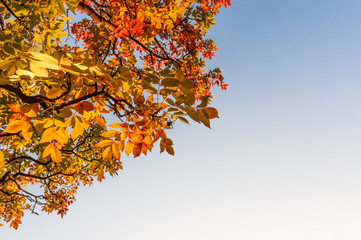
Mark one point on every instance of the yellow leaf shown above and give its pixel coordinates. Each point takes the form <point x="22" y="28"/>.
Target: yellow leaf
<point x="48" y="135"/>
<point x="109" y="134"/>
<point x="27" y="131"/>
<point x="60" y="123"/>
<point x="115" y="151"/>
<point x="78" y="128"/>
<point x="48" y="122"/>
<point x="2" y="159"/>
<point x="15" y="126"/>
<point x="50" y="148"/>
<point x="41" y="60"/>
<point x="39" y="71"/>
<point x="62" y="135"/>
<point x="103" y="143"/>
<point x="28" y="111"/>
<point x="56" y="155"/>
<point x="21" y="72"/>
<point x="123" y="136"/>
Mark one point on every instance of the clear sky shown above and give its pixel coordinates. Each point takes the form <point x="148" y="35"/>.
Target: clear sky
<point x="283" y="161"/>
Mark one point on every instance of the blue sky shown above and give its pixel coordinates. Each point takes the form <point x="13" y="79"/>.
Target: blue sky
<point x="283" y="161"/>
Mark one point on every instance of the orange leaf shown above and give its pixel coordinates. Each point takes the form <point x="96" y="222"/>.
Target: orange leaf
<point x="129" y="147"/>
<point x="87" y="106"/>
<point x="136" y="138"/>
<point x="103" y="143"/>
<point x="100" y="121"/>
<point x="15" y="107"/>
<point x="148" y="140"/>
<point x="115" y="151"/>
<point x="169" y="149"/>
<point x="107" y="153"/>
<point x="15" y="223"/>
<point x="144" y="148"/>
<point x="15" y="126"/>
<point x="137" y="150"/>
<point x="120" y="145"/>
<point x="116" y="125"/>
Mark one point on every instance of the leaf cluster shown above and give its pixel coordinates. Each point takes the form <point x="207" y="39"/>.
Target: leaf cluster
<point x="141" y="62"/>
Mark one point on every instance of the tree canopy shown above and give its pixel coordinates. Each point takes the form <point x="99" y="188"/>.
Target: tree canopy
<point x="65" y="65"/>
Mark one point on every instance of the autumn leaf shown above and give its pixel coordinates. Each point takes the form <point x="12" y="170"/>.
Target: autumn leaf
<point x="115" y="151"/>
<point x="28" y="111"/>
<point x="169" y="149"/>
<point x="56" y="155"/>
<point x="129" y="147"/>
<point x="15" y="126"/>
<point x="109" y="134"/>
<point x="103" y="143"/>
<point x="2" y="159"/>
<point x="116" y="125"/>
<point x="211" y="112"/>
<point x="87" y="106"/>
<point x="27" y="131"/>
<point x="107" y="153"/>
<point x="137" y="150"/>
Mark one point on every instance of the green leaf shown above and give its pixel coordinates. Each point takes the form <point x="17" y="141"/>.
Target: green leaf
<point x="3" y="37"/>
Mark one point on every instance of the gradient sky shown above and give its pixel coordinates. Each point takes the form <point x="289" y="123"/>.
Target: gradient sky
<point x="283" y="161"/>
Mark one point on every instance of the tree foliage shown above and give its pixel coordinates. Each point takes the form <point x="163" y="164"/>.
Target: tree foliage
<point x="142" y="61"/>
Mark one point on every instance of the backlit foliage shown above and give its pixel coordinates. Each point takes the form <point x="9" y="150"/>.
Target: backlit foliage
<point x="67" y="64"/>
